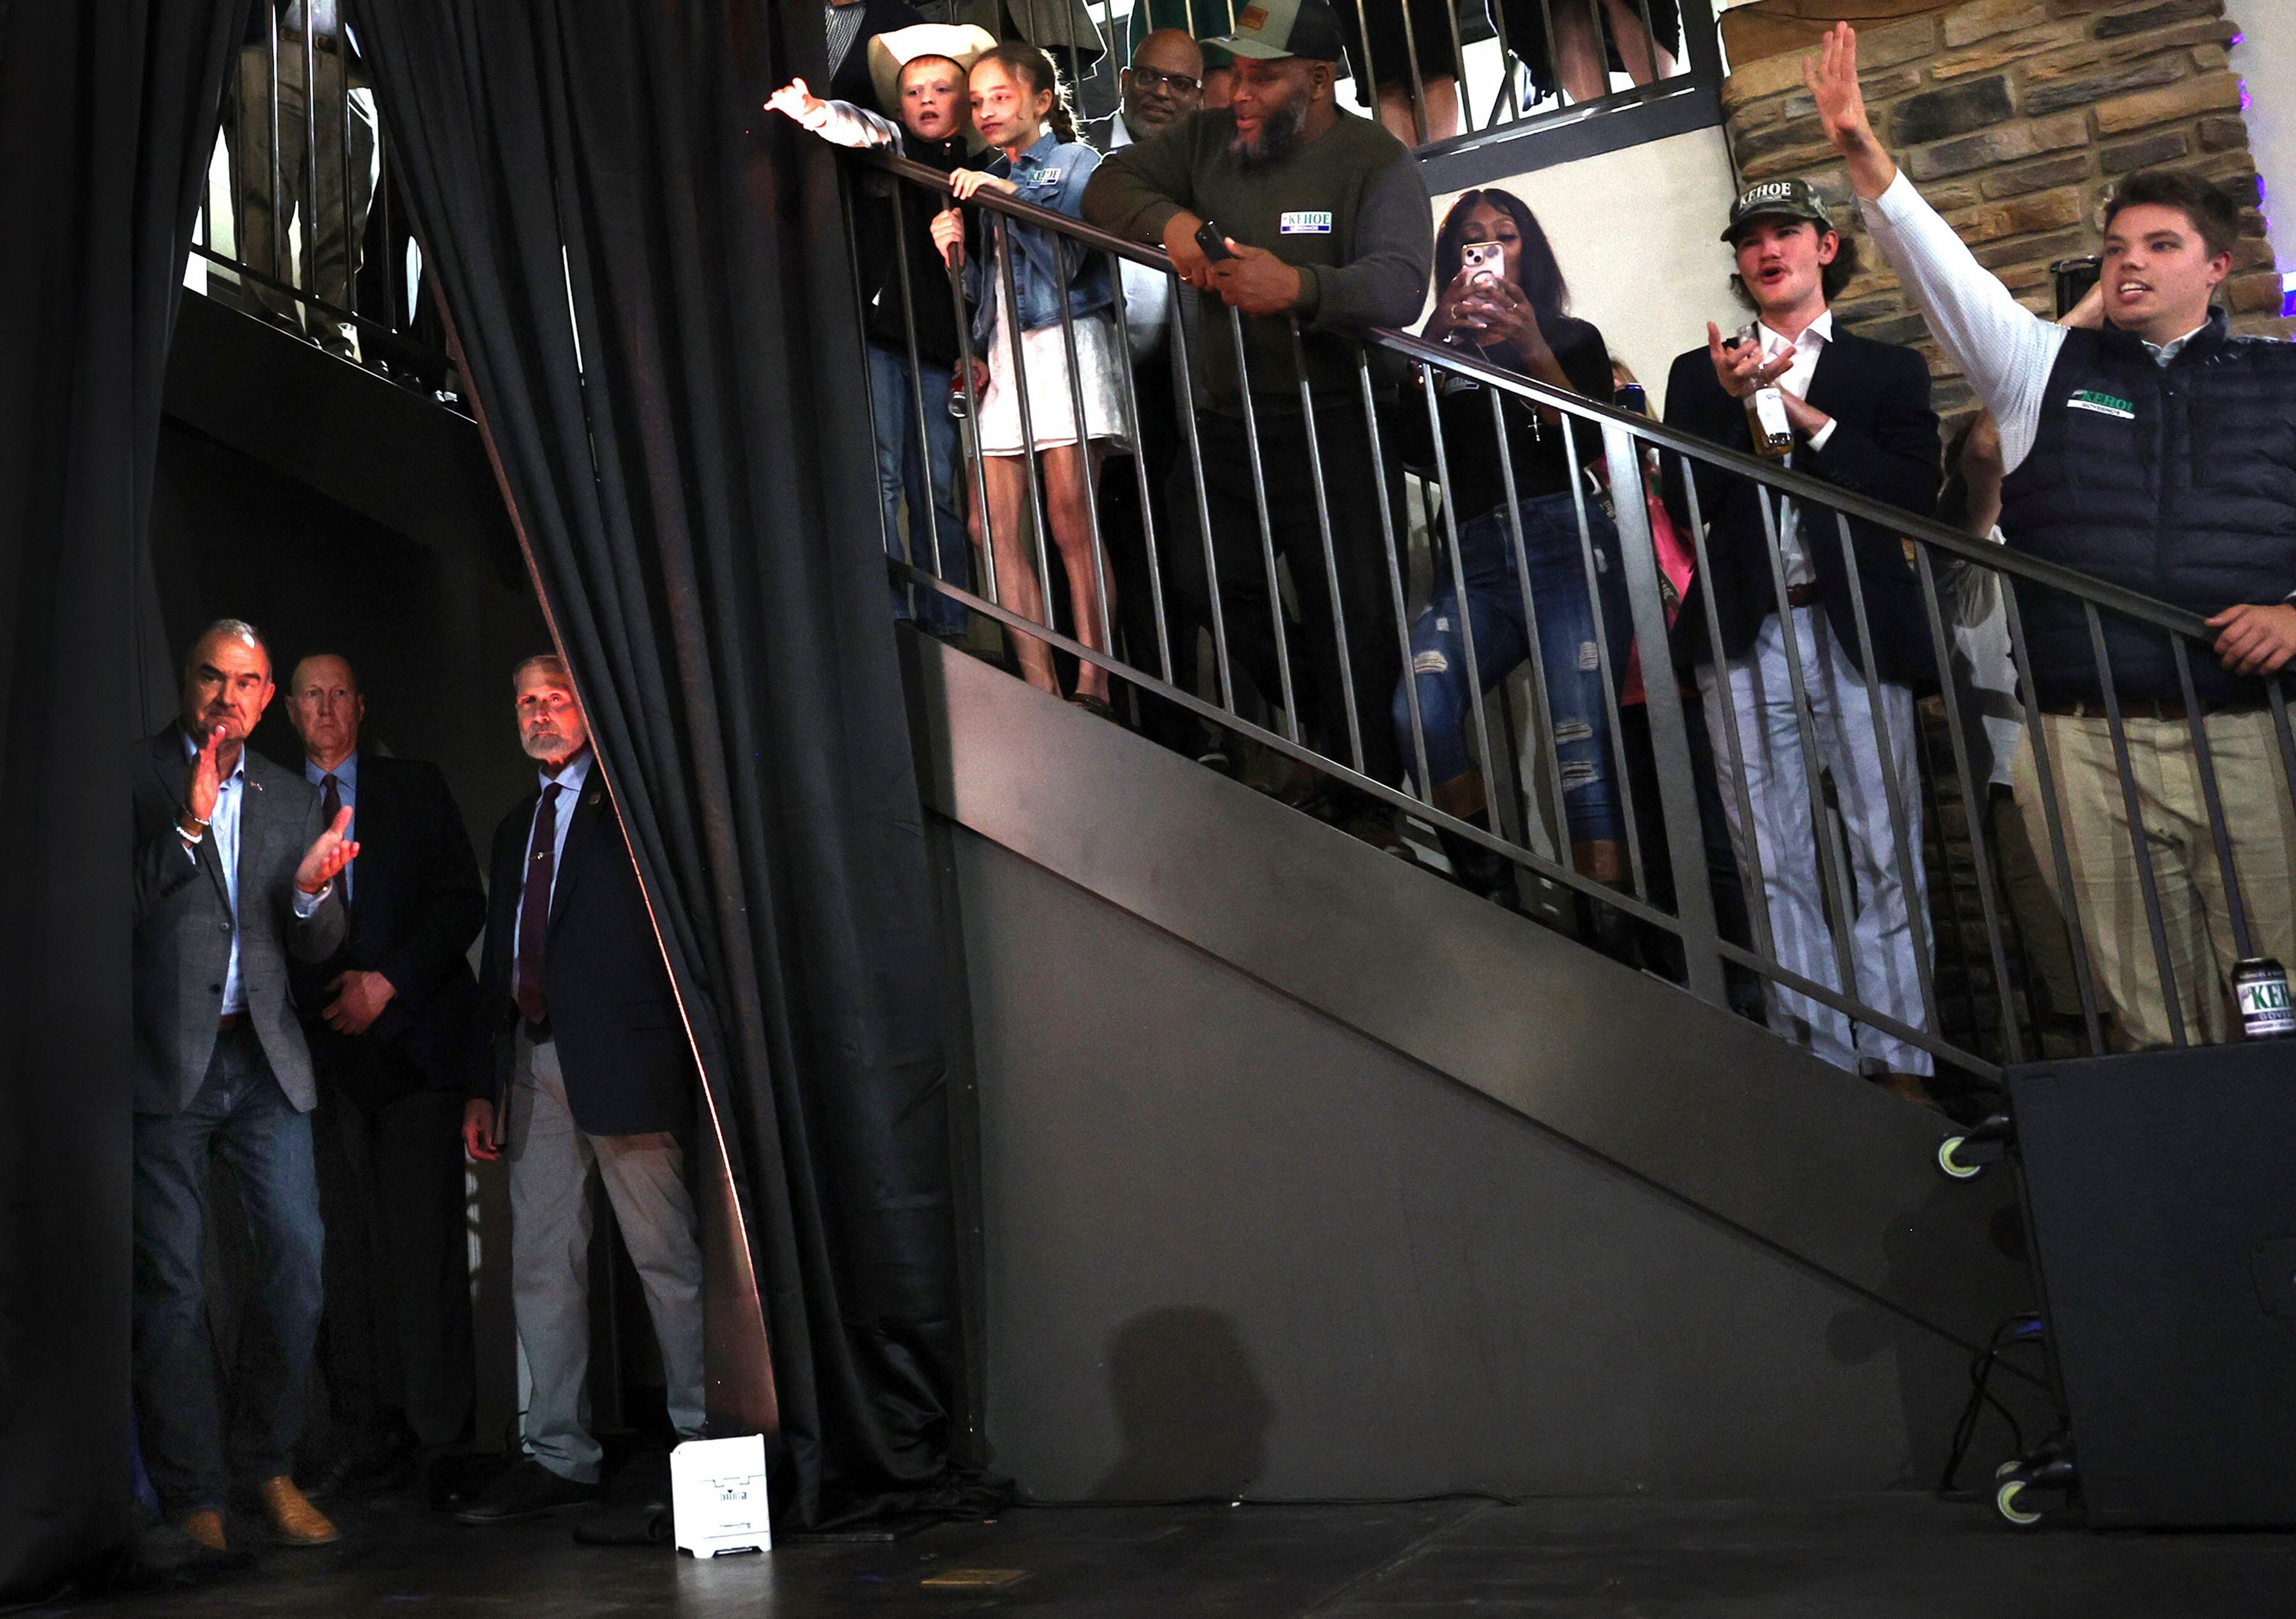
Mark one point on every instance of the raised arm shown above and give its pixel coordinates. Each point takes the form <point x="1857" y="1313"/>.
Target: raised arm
<point x="2004" y="348"/>
<point x="840" y="123"/>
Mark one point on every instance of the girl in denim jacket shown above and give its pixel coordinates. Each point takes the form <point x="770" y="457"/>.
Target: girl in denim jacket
<point x="1018" y="107"/>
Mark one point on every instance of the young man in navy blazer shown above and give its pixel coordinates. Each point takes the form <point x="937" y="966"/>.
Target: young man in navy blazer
<point x="391" y="1020"/>
<point x="1861" y="419"/>
<point x="593" y="1075"/>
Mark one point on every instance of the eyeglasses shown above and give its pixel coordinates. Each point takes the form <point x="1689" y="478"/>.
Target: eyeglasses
<point x="1150" y="78"/>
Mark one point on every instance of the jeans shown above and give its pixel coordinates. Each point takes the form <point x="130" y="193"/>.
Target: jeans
<point x="241" y="1116"/>
<point x="902" y="471"/>
<point x="1576" y="700"/>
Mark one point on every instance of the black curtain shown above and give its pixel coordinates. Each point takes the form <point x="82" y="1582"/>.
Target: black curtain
<point x="107" y="116"/>
<point x="689" y="462"/>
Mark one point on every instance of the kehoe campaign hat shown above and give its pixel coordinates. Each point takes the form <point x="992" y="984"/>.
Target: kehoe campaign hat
<point x="1778" y="200"/>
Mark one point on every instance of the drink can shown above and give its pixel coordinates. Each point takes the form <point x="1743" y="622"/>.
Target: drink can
<point x="2261" y="987"/>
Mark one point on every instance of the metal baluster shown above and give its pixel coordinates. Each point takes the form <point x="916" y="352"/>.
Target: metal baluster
<point x="2037" y="736"/>
<point x="987" y="549"/>
<point x="1540" y="696"/>
<point x="1553" y="48"/>
<point x="1459" y="56"/>
<point x="1140" y="468"/>
<point x="1008" y="318"/>
<point x="1604" y="662"/>
<point x="1973" y="807"/>
<point x="1418" y="84"/>
<point x="1331" y="555"/>
<point x="1083" y="449"/>
<point x="1474" y="670"/>
<point x="1188" y="433"/>
<point x="1394" y="580"/>
<point x="1892" y="789"/>
<point x="898" y="201"/>
<point x="1266" y="528"/>
<point x="279" y="266"/>
<point x="2135" y="811"/>
<point x="1510" y="85"/>
<point x="1929" y="809"/>
<point x="869" y="387"/>
<point x="343" y="152"/>
<point x="1830" y="862"/>
<point x="1369" y="86"/>
<point x="1693" y="896"/>
<point x="1650" y="38"/>
<point x="1758" y="897"/>
<point x="310" y="209"/>
<point x="2211" y="795"/>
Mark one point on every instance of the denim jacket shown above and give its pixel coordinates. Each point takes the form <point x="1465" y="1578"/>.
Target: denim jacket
<point x="1051" y="174"/>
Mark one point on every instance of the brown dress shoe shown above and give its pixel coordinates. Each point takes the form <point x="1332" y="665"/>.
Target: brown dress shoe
<point x="206" y="1527"/>
<point x="294" y="1518"/>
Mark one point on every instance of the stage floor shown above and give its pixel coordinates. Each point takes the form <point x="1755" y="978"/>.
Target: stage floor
<point x="1881" y="1557"/>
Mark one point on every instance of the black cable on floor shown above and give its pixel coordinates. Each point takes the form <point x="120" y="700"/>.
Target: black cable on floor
<point x="2024" y="1327"/>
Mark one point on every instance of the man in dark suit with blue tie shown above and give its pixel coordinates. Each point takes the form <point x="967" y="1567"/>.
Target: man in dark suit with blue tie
<point x="235" y="874"/>
<point x="594" y="1076"/>
<point x="392" y="1023"/>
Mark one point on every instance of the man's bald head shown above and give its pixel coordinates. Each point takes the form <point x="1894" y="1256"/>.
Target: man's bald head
<point x="1164" y="84"/>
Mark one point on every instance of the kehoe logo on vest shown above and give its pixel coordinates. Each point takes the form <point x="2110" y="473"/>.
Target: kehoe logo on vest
<point x="2103" y="403"/>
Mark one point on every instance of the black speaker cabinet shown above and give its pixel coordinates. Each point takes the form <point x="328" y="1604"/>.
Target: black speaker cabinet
<point x="2161" y="1193"/>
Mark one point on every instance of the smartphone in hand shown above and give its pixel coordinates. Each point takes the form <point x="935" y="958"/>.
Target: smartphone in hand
<point x="1211" y="242"/>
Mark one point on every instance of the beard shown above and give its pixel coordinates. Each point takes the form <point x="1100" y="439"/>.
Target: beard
<point x="1279" y="133"/>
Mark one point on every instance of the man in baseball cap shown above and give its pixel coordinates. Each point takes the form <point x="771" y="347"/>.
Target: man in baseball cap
<point x="1778" y="200"/>
<point x="1287" y="208"/>
<point x="1860" y="418"/>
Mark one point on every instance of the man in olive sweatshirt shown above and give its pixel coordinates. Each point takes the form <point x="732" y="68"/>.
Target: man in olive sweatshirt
<point x="1329" y="230"/>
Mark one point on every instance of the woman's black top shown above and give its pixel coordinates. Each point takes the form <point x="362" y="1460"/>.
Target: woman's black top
<point x="1471" y="448"/>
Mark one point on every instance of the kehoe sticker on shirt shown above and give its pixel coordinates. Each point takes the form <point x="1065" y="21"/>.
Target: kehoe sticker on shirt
<point x="2103" y="403"/>
<point x="1318" y="223"/>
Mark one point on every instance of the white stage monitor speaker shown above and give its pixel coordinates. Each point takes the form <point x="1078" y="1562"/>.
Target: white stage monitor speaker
<point x="717" y="1496"/>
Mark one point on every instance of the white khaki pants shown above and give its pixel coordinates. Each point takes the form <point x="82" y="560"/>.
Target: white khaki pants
<point x="551" y="1162"/>
<point x="1882" y="939"/>
<point x="2109" y="896"/>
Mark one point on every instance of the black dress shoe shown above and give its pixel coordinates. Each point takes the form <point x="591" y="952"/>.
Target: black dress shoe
<point x="528" y="1490"/>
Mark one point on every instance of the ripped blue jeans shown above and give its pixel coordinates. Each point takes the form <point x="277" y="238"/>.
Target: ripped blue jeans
<point x="1566" y="646"/>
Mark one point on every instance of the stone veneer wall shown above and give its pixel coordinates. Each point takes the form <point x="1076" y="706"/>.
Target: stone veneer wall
<point x="2016" y="118"/>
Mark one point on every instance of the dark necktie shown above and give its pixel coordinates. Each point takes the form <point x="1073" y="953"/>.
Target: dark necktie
<point x="533" y="909"/>
<point x="331" y="805"/>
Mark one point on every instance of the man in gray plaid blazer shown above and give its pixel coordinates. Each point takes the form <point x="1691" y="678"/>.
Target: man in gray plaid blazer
<point x="235" y="872"/>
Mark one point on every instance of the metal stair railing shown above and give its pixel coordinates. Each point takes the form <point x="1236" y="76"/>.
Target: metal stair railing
<point x="2001" y="1015"/>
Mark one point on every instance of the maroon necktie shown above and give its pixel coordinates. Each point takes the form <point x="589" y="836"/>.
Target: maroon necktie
<point x="533" y="909"/>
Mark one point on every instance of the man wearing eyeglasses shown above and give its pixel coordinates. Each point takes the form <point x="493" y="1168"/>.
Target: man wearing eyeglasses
<point x="1161" y="86"/>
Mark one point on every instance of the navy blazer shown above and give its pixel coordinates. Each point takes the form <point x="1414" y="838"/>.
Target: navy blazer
<point x="621" y="1042"/>
<point x="417" y="905"/>
<point x="1883" y="446"/>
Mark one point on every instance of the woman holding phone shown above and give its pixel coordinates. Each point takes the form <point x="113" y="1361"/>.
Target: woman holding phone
<point x="1504" y="300"/>
<point x="1019" y="108"/>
